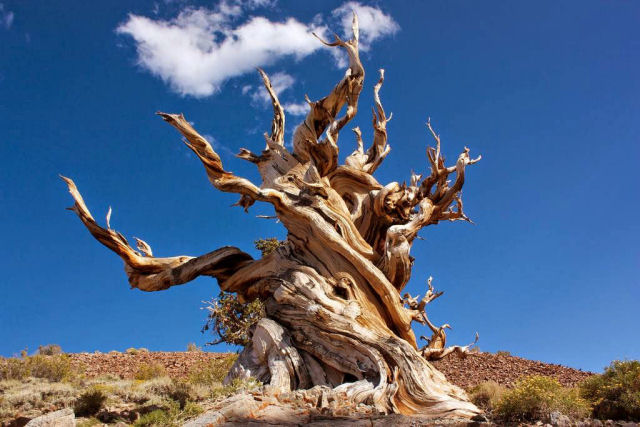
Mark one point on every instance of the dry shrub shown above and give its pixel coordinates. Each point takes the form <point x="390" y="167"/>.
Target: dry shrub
<point x="53" y="368"/>
<point x="170" y="416"/>
<point x="148" y="371"/>
<point x="536" y="397"/>
<point x="33" y="396"/>
<point x="211" y="372"/>
<point x="13" y="368"/>
<point x="486" y="395"/>
<point x="91" y="400"/>
<point x="193" y="347"/>
<point x="50" y="350"/>
<point x="616" y="393"/>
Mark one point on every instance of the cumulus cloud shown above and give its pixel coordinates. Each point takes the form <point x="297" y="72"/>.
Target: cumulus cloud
<point x="6" y="17"/>
<point x="279" y="81"/>
<point x="374" y="23"/>
<point x="296" y="109"/>
<point x="200" y="49"/>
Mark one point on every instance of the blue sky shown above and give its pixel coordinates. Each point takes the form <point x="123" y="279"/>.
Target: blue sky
<point x="547" y="92"/>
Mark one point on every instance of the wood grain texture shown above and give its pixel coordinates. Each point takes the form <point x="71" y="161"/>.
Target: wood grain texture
<point x="332" y="292"/>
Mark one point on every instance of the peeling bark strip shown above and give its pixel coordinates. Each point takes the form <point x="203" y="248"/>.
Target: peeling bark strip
<point x="332" y="291"/>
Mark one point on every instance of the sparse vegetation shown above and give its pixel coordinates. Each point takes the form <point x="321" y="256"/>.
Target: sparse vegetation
<point x="170" y="416"/>
<point x="53" y="368"/>
<point x="133" y="350"/>
<point x="502" y="353"/>
<point x="193" y="347"/>
<point x="616" y="393"/>
<point x="266" y="246"/>
<point x="151" y="399"/>
<point x="91" y="400"/>
<point x="148" y="371"/>
<point x="536" y="397"/>
<point x="211" y="372"/>
<point x="33" y="396"/>
<point x="487" y="395"/>
<point x="231" y="320"/>
<point x="50" y="350"/>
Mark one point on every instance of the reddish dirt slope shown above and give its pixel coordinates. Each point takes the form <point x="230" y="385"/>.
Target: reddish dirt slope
<point x="177" y="364"/>
<point x="466" y="373"/>
<point x="505" y="370"/>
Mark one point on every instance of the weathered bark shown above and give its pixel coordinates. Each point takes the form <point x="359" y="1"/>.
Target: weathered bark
<point x="332" y="291"/>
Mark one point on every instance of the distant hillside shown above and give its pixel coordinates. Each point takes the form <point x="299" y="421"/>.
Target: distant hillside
<point x="466" y="373"/>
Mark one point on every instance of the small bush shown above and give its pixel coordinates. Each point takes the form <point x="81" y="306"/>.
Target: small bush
<point x="536" y="397"/>
<point x="148" y="371"/>
<point x="177" y="391"/>
<point x="231" y="320"/>
<point x="133" y="350"/>
<point x="49" y="349"/>
<point x="52" y="368"/>
<point x="503" y="353"/>
<point x="212" y="371"/>
<point x="193" y="347"/>
<point x="159" y="417"/>
<point x="486" y="395"/>
<point x="616" y="393"/>
<point x="170" y="416"/>
<point x="13" y="369"/>
<point x="267" y="246"/>
<point x="90" y="401"/>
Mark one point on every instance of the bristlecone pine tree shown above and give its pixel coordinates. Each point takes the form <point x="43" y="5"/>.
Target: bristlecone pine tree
<point x="332" y="291"/>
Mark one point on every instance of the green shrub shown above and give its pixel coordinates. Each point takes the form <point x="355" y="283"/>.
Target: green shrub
<point x="90" y="401"/>
<point x="231" y="320"/>
<point x="503" y="353"/>
<point x="169" y="417"/>
<point x="159" y="417"/>
<point x="267" y="246"/>
<point x="211" y="371"/>
<point x="49" y="349"/>
<point x="486" y="395"/>
<point x="616" y="393"/>
<point x="148" y="371"/>
<point x="536" y="397"/>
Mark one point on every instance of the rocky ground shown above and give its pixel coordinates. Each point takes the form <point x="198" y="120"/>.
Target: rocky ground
<point x="319" y="406"/>
<point x="466" y="373"/>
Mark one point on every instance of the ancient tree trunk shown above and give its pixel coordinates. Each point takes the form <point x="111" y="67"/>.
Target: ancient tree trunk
<point x="335" y="316"/>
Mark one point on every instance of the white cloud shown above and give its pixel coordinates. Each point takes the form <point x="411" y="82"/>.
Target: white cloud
<point x="374" y="23"/>
<point x="296" y="109"/>
<point x="6" y="17"/>
<point x="279" y="81"/>
<point x="200" y="49"/>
